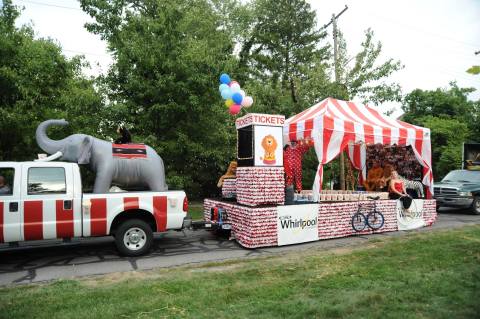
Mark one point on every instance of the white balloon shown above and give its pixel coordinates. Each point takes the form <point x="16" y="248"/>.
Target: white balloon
<point x="247" y="101"/>
<point x="235" y="87"/>
<point x="242" y="92"/>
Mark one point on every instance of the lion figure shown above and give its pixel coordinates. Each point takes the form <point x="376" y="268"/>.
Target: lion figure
<point x="270" y="145"/>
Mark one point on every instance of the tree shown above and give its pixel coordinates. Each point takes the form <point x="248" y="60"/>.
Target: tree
<point x="281" y="45"/>
<point x="452" y="102"/>
<point x="168" y="56"/>
<point x="452" y="119"/>
<point x="447" y="137"/>
<point x="367" y="78"/>
<point x="36" y="83"/>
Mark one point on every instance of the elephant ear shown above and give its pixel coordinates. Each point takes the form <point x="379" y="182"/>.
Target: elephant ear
<point x="85" y="151"/>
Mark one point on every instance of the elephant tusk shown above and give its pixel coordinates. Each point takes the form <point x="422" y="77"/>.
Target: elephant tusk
<point x="50" y="158"/>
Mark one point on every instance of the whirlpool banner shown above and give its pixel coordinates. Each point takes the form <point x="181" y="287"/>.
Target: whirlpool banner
<point x="297" y="224"/>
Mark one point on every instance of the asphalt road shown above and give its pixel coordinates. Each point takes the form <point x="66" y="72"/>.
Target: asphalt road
<point x="49" y="260"/>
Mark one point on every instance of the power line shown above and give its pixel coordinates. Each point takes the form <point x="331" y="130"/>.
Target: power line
<point x="87" y="53"/>
<point x="390" y="20"/>
<point x="50" y="5"/>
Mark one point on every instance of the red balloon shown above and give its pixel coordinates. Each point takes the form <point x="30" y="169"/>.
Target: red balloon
<point x="235" y="109"/>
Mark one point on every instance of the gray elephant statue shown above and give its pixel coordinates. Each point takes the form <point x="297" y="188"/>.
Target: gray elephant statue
<point x="140" y="167"/>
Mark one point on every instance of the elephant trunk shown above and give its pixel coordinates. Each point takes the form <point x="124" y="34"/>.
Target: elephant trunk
<point x="48" y="145"/>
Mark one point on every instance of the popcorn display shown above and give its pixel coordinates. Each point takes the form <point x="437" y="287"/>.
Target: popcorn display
<point x="429" y="211"/>
<point x="338" y="195"/>
<point x="229" y="188"/>
<point x="335" y="219"/>
<point x="252" y="227"/>
<point x="260" y="185"/>
<point x="255" y="227"/>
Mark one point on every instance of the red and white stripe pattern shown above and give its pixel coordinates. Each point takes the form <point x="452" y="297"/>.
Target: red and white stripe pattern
<point x="41" y="219"/>
<point x="334" y="124"/>
<point x="47" y="219"/>
<point x="103" y="211"/>
<point x="260" y="185"/>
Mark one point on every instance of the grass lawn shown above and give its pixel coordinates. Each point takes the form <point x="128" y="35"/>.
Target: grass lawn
<point x="195" y="210"/>
<point x="422" y="275"/>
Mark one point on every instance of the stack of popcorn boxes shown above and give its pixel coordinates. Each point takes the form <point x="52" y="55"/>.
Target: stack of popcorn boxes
<point x="229" y="188"/>
<point x="260" y="186"/>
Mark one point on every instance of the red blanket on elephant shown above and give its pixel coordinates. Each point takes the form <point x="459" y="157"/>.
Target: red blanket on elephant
<point x="129" y="150"/>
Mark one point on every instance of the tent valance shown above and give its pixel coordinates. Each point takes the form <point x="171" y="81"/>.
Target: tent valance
<point x="335" y="125"/>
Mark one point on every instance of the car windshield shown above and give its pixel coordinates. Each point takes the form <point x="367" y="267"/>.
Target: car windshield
<point x="462" y="176"/>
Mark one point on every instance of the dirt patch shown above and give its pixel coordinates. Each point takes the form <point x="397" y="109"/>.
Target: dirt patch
<point x="216" y="268"/>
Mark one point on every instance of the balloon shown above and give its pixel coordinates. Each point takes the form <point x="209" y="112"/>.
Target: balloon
<point x="237" y="98"/>
<point x="224" y="78"/>
<point x="242" y="92"/>
<point x="247" y="101"/>
<point x="235" y="87"/>
<point x="227" y="94"/>
<point x="235" y="109"/>
<point x="229" y="102"/>
<point x="232" y="82"/>
<point x="222" y="87"/>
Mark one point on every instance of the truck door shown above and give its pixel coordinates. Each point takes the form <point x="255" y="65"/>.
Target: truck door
<point x="47" y="191"/>
<point x="10" y="203"/>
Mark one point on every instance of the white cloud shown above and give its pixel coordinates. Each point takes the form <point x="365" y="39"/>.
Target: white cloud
<point x="64" y="22"/>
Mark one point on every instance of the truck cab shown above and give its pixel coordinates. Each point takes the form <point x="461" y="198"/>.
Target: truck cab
<point x="44" y="200"/>
<point x="459" y="189"/>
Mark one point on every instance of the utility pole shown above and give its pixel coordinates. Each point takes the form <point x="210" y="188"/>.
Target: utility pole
<point x="335" y="61"/>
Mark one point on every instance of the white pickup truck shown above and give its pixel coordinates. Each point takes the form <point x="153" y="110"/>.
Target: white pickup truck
<point x="44" y="200"/>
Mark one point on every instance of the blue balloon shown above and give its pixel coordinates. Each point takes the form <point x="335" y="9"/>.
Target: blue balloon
<point x="222" y="87"/>
<point x="224" y="78"/>
<point x="237" y="98"/>
<point x="227" y="94"/>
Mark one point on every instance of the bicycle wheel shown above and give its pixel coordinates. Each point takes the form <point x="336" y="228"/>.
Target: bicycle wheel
<point x="359" y="222"/>
<point x="375" y="220"/>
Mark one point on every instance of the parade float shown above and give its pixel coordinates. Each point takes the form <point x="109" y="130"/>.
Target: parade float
<point x="253" y="205"/>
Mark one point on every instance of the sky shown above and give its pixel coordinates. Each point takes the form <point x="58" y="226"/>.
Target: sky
<point x="436" y="41"/>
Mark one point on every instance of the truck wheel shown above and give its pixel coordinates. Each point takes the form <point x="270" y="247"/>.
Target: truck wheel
<point x="476" y="205"/>
<point x="133" y="237"/>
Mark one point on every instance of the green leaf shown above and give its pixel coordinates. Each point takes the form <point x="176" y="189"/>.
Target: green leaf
<point x="474" y="69"/>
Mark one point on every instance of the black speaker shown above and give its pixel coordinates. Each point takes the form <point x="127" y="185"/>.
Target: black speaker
<point x="245" y="146"/>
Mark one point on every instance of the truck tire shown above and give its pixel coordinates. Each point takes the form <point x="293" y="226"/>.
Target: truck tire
<point x="134" y="237"/>
<point x="476" y="205"/>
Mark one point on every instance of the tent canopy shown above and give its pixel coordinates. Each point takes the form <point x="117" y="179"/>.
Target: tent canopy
<point x="335" y="125"/>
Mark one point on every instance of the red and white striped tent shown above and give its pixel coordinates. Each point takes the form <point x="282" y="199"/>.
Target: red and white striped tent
<point x="335" y="125"/>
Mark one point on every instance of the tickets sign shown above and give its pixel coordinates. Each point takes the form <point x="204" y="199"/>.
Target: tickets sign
<point x="260" y="119"/>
